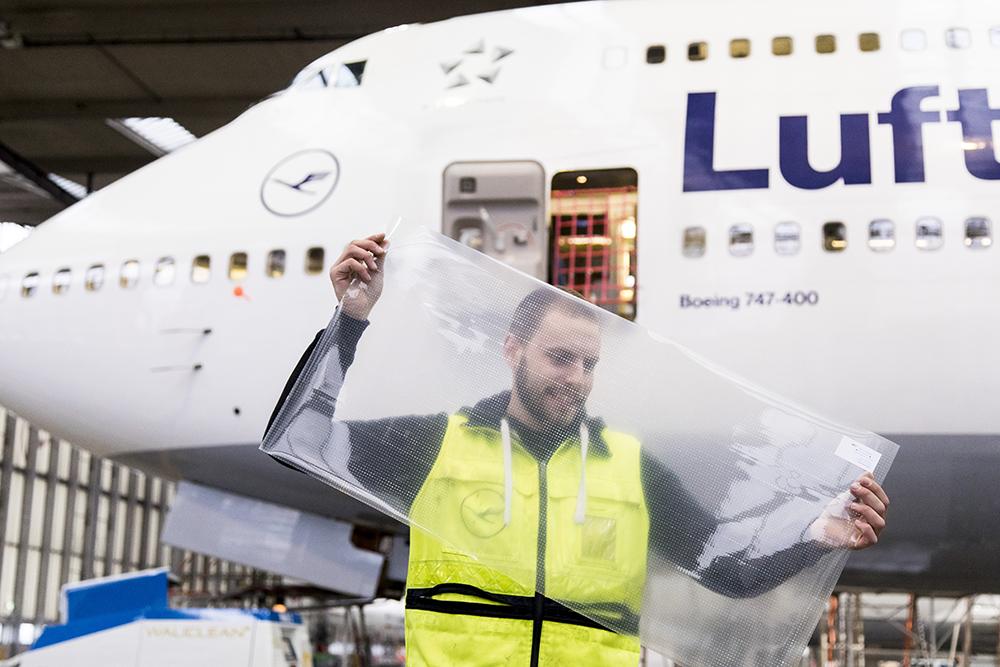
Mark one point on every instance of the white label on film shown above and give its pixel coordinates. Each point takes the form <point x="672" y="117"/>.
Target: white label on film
<point x="860" y="455"/>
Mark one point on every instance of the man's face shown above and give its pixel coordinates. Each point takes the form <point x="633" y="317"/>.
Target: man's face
<point x="554" y="370"/>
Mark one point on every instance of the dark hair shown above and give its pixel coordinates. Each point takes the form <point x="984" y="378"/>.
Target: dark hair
<point x="533" y="308"/>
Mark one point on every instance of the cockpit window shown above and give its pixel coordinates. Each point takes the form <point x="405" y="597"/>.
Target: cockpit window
<point x="61" y="280"/>
<point x="129" y="275"/>
<point x="93" y="280"/>
<point x="343" y="75"/>
<point x="349" y="75"/>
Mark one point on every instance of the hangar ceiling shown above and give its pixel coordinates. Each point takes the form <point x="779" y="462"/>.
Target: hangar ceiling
<point x="66" y="66"/>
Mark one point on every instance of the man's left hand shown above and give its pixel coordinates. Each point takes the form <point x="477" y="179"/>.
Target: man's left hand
<point x="869" y="510"/>
<point x="855" y="519"/>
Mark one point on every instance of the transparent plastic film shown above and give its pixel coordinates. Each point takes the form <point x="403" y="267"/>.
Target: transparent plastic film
<point x="538" y="444"/>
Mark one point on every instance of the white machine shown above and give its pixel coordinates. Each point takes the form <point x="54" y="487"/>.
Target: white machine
<point x="125" y="620"/>
<point x="807" y="198"/>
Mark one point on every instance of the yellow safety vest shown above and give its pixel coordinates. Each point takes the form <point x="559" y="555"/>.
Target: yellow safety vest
<point x="471" y="583"/>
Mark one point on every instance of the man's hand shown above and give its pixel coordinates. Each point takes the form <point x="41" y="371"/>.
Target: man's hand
<point x="361" y="261"/>
<point x="855" y="518"/>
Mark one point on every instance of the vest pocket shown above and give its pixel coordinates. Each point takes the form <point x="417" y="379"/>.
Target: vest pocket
<point x="467" y="512"/>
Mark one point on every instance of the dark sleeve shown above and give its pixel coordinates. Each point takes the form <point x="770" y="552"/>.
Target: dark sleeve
<point x="680" y="528"/>
<point x="406" y="446"/>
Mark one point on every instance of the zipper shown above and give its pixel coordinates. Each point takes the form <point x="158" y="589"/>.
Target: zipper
<point x="539" y="608"/>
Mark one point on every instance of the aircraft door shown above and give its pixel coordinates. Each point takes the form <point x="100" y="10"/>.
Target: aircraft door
<point x="498" y="208"/>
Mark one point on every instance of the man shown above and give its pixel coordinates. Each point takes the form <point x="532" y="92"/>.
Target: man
<point x="532" y="502"/>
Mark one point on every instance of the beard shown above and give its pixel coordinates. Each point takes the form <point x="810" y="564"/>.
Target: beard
<point x="532" y="398"/>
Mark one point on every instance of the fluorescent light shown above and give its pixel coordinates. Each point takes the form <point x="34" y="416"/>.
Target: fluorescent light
<point x="157" y="135"/>
<point x="69" y="186"/>
<point x="11" y="233"/>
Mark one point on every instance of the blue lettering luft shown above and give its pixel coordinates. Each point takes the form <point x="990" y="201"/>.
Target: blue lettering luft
<point x="855" y="153"/>
<point x="699" y="153"/>
<point x="976" y="117"/>
<point x="907" y="119"/>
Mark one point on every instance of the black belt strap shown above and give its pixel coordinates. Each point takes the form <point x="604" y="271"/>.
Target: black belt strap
<point x="518" y="607"/>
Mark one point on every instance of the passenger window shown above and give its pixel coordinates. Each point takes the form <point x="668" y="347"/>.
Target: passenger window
<point x="201" y="269"/>
<point x="238" y="266"/>
<point x="275" y="263"/>
<point x="869" y="41"/>
<point x="826" y="43"/>
<point x="697" y="50"/>
<point x="787" y="238"/>
<point x="913" y="39"/>
<point x="881" y="235"/>
<point x="694" y="242"/>
<point x="834" y="236"/>
<point x="740" y="240"/>
<point x="958" y="38"/>
<point x="978" y="233"/>
<point x="93" y="280"/>
<point x="739" y="48"/>
<point x="593" y="236"/>
<point x="314" y="261"/>
<point x="781" y="46"/>
<point x="129" y="275"/>
<point x="29" y="285"/>
<point x="60" y="281"/>
<point x="930" y="234"/>
<point x="165" y="272"/>
<point x="656" y="54"/>
<point x="995" y="36"/>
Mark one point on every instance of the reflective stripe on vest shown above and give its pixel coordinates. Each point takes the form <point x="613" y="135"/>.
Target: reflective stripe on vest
<point x="597" y="567"/>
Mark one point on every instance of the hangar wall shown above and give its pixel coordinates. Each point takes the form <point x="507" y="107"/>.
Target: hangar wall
<point x="66" y="515"/>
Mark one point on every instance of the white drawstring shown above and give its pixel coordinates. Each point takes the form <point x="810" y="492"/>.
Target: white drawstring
<point x="508" y="471"/>
<point x="581" y="496"/>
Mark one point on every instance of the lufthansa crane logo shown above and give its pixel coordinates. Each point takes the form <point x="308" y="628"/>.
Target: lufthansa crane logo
<point x="300" y="182"/>
<point x="478" y="63"/>
<point x="482" y="512"/>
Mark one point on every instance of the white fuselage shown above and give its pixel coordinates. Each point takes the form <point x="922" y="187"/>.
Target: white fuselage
<point x="899" y="342"/>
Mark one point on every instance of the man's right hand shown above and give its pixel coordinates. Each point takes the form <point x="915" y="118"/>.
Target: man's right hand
<point x="361" y="260"/>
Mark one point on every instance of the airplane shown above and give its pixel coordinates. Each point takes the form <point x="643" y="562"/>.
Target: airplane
<point x="807" y="198"/>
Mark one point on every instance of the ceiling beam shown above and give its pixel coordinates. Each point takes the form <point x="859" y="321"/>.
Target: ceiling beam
<point x="94" y="164"/>
<point x="42" y="109"/>
<point x="289" y="18"/>
<point x="35" y="175"/>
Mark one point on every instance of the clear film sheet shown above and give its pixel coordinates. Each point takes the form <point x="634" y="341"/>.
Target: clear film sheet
<point x="536" y="443"/>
